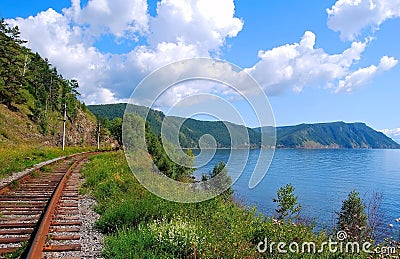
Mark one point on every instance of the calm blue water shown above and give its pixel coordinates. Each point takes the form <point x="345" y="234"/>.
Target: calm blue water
<point x="322" y="179"/>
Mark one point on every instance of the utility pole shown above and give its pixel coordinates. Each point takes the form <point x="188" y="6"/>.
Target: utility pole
<point x="26" y="62"/>
<point x="64" y="121"/>
<point x="98" y="133"/>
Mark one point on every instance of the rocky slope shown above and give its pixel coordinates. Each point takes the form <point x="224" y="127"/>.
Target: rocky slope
<point x="16" y="127"/>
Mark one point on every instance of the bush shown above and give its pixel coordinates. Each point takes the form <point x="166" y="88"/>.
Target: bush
<point x="141" y="225"/>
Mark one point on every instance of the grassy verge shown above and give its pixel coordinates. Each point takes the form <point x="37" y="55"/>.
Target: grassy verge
<point x="140" y="225"/>
<point x="17" y="158"/>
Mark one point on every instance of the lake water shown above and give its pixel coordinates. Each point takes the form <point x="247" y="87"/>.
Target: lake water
<point x="322" y="179"/>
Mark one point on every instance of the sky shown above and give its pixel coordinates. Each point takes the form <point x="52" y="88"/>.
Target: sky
<point x="317" y="61"/>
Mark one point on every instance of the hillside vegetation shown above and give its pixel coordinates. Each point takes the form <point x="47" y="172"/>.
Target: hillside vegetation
<point x="33" y="96"/>
<point x="320" y="135"/>
<point x="190" y="131"/>
<point x="333" y="135"/>
<point x="32" y="99"/>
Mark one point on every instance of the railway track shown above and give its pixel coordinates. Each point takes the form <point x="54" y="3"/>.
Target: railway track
<point x="39" y="215"/>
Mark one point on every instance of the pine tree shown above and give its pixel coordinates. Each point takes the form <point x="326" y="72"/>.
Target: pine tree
<point x="11" y="65"/>
<point x="352" y="217"/>
<point x="287" y="202"/>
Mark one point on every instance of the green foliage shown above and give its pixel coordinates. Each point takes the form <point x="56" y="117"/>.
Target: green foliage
<point x="115" y="128"/>
<point x="220" y="180"/>
<point x="15" y="159"/>
<point x="18" y="253"/>
<point x="335" y="135"/>
<point x="127" y="243"/>
<point x="139" y="224"/>
<point x="178" y="236"/>
<point x="109" y="111"/>
<point x="287" y="202"/>
<point x="69" y="95"/>
<point x="25" y="77"/>
<point x="177" y="171"/>
<point x="191" y="130"/>
<point x="352" y="217"/>
<point x="11" y="65"/>
<point x="134" y="134"/>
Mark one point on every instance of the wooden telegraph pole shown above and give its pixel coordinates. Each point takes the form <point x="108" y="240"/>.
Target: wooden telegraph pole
<point x="98" y="133"/>
<point x="64" y="121"/>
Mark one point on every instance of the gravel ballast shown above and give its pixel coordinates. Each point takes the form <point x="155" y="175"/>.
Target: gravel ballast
<point x="91" y="239"/>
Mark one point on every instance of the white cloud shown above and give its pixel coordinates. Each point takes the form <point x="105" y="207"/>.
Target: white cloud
<point x="102" y="95"/>
<point x="294" y="66"/>
<point x="148" y="59"/>
<point x="392" y="133"/>
<point x="364" y="75"/>
<point x="50" y="34"/>
<point x="181" y="29"/>
<point x="204" y="23"/>
<point x="122" y="18"/>
<point x="350" y="17"/>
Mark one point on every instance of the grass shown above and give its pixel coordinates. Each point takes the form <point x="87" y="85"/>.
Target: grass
<point x="17" y="253"/>
<point x="139" y="224"/>
<point x="17" y="158"/>
<point x="23" y="145"/>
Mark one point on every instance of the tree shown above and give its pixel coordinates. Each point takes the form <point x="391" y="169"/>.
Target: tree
<point x="69" y="96"/>
<point x="352" y="217"/>
<point x="115" y="128"/>
<point x="218" y="181"/>
<point x="177" y="167"/>
<point x="225" y="181"/>
<point x="26" y="78"/>
<point x="133" y="129"/>
<point x="11" y="65"/>
<point x="287" y="202"/>
<point x="376" y="226"/>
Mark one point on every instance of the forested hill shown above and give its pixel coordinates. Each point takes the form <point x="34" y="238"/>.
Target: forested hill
<point x="320" y="135"/>
<point x="191" y="130"/>
<point x="111" y="111"/>
<point x="332" y="135"/>
<point x="32" y="98"/>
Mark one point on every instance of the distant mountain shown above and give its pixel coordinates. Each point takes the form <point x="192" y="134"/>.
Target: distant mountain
<point x="191" y="130"/>
<point x="392" y="133"/>
<point x="332" y="135"/>
<point x="110" y="111"/>
<point x="320" y="135"/>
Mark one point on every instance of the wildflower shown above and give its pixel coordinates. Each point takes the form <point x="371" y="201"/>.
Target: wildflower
<point x="178" y="234"/>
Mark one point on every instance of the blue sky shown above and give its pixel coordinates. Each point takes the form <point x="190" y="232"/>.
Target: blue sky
<point x="317" y="61"/>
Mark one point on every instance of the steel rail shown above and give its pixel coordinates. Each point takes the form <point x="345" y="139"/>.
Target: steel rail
<point x="39" y="240"/>
<point x="40" y="199"/>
